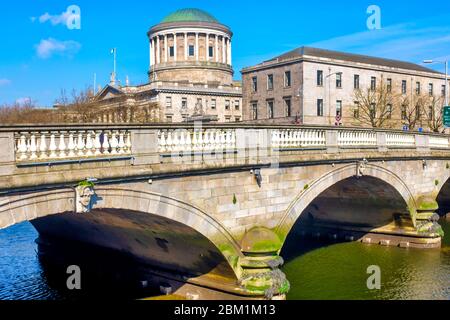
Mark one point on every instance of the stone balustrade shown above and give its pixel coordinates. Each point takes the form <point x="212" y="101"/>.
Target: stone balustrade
<point x="298" y="138"/>
<point x="355" y="138"/>
<point x="51" y="145"/>
<point x="145" y="143"/>
<point x="400" y="140"/>
<point x="196" y="140"/>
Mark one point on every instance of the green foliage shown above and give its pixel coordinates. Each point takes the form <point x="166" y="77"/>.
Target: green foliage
<point x="448" y="166"/>
<point x="306" y="187"/>
<point x="86" y="184"/>
<point x="234" y="199"/>
<point x="436" y="182"/>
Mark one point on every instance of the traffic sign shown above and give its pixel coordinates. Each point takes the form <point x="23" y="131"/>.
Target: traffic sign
<point x="447" y="117"/>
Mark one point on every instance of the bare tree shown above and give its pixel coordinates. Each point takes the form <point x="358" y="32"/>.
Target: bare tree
<point x="376" y="105"/>
<point x="434" y="114"/>
<point x="413" y="110"/>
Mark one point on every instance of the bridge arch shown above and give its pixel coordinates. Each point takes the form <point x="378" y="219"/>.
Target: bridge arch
<point x="36" y="206"/>
<point x="333" y="178"/>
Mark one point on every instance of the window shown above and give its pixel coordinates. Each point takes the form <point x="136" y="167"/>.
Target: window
<point x="172" y="51"/>
<point x="356" y="81"/>
<point x="287" y="79"/>
<point x="227" y="104"/>
<point x="356" y="110"/>
<point x="443" y="89"/>
<point x="270" y="82"/>
<point x="191" y="51"/>
<point x="211" y="52"/>
<point x="339" y="80"/>
<point x="320" y="107"/>
<point x="237" y="105"/>
<point x="389" y="85"/>
<point x="430" y="113"/>
<point x="213" y="104"/>
<point x="254" y="111"/>
<point x="287" y="107"/>
<point x="237" y="119"/>
<point x="430" y="89"/>
<point x="404" y="87"/>
<point x="389" y="111"/>
<point x="168" y="102"/>
<point x="255" y="84"/>
<point x="184" y="104"/>
<point x="373" y="83"/>
<point x="404" y="116"/>
<point x="169" y="119"/>
<point x="418" y="113"/>
<point x="227" y="118"/>
<point x="373" y="112"/>
<point x="339" y="108"/>
<point x="417" y="87"/>
<point x="270" y="109"/>
<point x="320" y="78"/>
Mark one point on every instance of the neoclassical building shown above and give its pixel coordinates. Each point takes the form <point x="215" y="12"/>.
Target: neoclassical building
<point x="190" y="76"/>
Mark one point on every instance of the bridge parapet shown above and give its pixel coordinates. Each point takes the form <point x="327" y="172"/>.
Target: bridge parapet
<point x="47" y="145"/>
<point x="145" y="145"/>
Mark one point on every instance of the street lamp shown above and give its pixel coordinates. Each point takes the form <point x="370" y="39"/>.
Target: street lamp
<point x="446" y="76"/>
<point x="329" y="93"/>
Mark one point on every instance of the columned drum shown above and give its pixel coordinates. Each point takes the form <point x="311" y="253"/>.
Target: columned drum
<point x="190" y="45"/>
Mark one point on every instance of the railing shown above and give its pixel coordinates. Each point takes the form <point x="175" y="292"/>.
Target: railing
<point x="45" y="145"/>
<point x="298" y="138"/>
<point x="186" y="141"/>
<point x="356" y="139"/>
<point x="439" y="142"/>
<point x="141" y="143"/>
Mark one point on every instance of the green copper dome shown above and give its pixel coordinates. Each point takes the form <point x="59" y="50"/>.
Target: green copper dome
<point x="189" y="15"/>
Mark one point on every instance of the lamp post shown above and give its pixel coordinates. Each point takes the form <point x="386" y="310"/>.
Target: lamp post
<point x="446" y="76"/>
<point x="329" y="92"/>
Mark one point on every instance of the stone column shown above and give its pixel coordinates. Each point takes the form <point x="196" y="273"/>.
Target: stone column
<point x="196" y="47"/>
<point x="207" y="47"/>
<point x="175" y="47"/>
<point x="217" y="48"/>
<point x="158" y="50"/>
<point x="151" y="53"/>
<point x="185" y="46"/>
<point x="166" y="56"/>
<point x="223" y="49"/>
<point x="229" y="52"/>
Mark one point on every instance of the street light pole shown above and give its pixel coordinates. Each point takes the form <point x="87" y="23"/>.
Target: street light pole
<point x="329" y="92"/>
<point x="446" y="77"/>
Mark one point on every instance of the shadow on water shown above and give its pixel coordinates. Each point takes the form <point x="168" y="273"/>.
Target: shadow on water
<point x="322" y="269"/>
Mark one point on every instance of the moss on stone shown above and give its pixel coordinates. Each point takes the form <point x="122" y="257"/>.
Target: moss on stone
<point x="261" y="240"/>
<point x="427" y="204"/>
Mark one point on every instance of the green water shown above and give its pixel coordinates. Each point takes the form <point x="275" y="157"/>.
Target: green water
<point x="339" y="271"/>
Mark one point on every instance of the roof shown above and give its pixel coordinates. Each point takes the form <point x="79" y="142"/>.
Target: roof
<point x="322" y="53"/>
<point x="189" y="15"/>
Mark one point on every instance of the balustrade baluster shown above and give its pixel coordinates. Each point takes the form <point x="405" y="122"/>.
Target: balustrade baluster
<point x="62" y="145"/>
<point x="43" y="146"/>
<point x="80" y="144"/>
<point x="114" y="143"/>
<point x="121" y="143"/>
<point x="105" y="145"/>
<point x="71" y="146"/>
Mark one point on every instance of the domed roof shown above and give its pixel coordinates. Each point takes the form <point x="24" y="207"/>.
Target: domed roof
<point x="189" y="15"/>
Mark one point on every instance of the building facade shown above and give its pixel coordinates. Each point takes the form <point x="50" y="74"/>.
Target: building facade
<point x="318" y="87"/>
<point x="190" y="76"/>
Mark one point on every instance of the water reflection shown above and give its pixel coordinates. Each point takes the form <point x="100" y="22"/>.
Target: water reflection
<point x="315" y="270"/>
<point x="338" y="270"/>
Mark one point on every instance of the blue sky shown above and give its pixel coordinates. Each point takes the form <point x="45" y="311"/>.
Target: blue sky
<point x="39" y="55"/>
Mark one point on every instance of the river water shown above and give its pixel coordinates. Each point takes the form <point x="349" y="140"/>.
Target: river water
<point x="315" y="270"/>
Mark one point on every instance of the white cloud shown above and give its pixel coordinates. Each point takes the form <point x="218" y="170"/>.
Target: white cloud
<point x="23" y="101"/>
<point x="4" y="82"/>
<point x="48" y="47"/>
<point x="55" y="19"/>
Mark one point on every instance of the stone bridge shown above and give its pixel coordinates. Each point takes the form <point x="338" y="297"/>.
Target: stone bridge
<point x="213" y="205"/>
